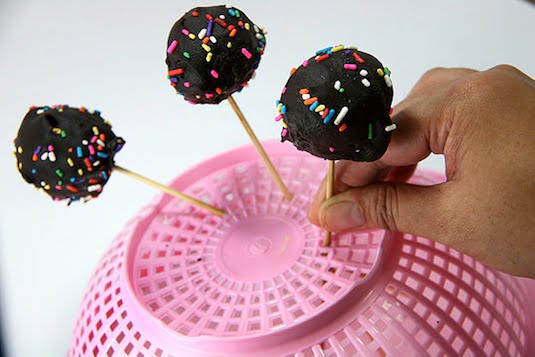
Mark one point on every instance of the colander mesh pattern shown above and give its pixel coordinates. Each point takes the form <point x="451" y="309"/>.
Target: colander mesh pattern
<point x="434" y="301"/>
<point x="438" y="302"/>
<point x="177" y="277"/>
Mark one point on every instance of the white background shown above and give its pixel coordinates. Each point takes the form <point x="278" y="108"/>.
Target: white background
<point x="109" y="55"/>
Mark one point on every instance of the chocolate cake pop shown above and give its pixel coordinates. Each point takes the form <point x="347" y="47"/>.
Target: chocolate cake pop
<point x="213" y="52"/>
<point x="336" y="105"/>
<point x="68" y="152"/>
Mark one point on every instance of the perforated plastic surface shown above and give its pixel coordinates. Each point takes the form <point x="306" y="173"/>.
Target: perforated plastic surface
<point x="180" y="281"/>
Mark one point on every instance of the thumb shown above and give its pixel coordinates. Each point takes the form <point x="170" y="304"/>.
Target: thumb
<point x="390" y="205"/>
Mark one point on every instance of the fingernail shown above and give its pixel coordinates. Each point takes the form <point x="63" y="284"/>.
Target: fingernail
<point x="342" y="216"/>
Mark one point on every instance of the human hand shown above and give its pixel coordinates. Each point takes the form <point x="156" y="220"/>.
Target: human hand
<point x="484" y="125"/>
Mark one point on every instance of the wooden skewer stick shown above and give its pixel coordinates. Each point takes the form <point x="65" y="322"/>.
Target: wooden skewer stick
<point x="169" y="190"/>
<point x="260" y="149"/>
<point x="328" y="194"/>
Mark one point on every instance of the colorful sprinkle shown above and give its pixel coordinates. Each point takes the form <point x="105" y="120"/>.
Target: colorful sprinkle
<point x="329" y="116"/>
<point x="337" y="85"/>
<point x="337" y="48"/>
<point x="326" y="49"/>
<point x="311" y="100"/>
<point x="365" y="82"/>
<point x="358" y="58"/>
<point x="214" y="73"/>
<point x="341" y="115"/>
<point x="342" y="128"/>
<point x="350" y="66"/>
<point x="370" y="131"/>
<point x="220" y="21"/>
<point x="93" y="188"/>
<point x="246" y="53"/>
<point x="176" y="72"/>
<point x="71" y="188"/>
<point x="319" y="108"/>
<point x="172" y="46"/>
<point x="388" y="81"/>
<point x="322" y="58"/>
<point x="390" y="127"/>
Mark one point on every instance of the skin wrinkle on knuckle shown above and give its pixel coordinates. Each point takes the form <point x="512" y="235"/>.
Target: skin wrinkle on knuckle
<point x="454" y="127"/>
<point x="381" y="206"/>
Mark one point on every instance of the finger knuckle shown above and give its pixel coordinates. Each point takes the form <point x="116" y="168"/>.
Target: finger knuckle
<point x="507" y="68"/>
<point x="385" y="210"/>
<point x="475" y="87"/>
<point x="432" y="73"/>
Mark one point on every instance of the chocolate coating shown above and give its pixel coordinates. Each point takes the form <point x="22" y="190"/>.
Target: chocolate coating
<point x="213" y="52"/>
<point x="365" y="89"/>
<point x="67" y="152"/>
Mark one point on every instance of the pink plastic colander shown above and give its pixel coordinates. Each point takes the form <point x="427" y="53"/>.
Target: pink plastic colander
<point x="179" y="281"/>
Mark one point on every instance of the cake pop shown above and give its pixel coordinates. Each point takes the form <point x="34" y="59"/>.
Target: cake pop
<point x="337" y="106"/>
<point x="69" y="153"/>
<point x="213" y="52"/>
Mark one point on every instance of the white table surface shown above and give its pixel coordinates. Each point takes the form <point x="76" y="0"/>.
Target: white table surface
<point x="109" y="55"/>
